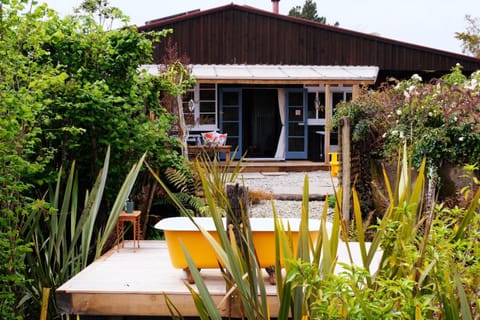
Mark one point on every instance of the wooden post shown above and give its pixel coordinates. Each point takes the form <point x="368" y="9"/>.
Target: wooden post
<point x="238" y="199"/>
<point x="355" y="91"/>
<point x="237" y="219"/>
<point x="346" y="174"/>
<point x="328" y="121"/>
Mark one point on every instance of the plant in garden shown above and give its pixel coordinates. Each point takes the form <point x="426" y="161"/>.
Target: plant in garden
<point x="64" y="234"/>
<point x="440" y="121"/>
<point x="242" y="272"/>
<point x="428" y="266"/>
<point x="20" y="103"/>
<point x="103" y="99"/>
<point x="367" y="123"/>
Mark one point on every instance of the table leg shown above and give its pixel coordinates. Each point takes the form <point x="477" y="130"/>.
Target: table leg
<point x="138" y="231"/>
<point x="134" y="225"/>
<point x="120" y="233"/>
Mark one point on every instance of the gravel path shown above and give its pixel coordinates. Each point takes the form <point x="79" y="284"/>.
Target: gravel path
<point x="287" y="183"/>
<point x="286" y="209"/>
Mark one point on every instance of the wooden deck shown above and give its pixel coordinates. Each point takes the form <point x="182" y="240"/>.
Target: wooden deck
<point x="282" y="166"/>
<point x="135" y="282"/>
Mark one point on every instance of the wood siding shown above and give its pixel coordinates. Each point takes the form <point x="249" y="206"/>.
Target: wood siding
<point x="235" y="34"/>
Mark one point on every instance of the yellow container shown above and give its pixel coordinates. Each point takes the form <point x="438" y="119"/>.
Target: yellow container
<point x="334" y="164"/>
<point x="181" y="230"/>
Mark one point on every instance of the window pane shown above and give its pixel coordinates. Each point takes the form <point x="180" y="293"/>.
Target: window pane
<point x="230" y="114"/>
<point x="295" y="144"/>
<point x="311" y="105"/>
<point x="230" y="98"/>
<point x="295" y="99"/>
<point x="207" y="94"/>
<point x="230" y="129"/>
<point x="207" y="86"/>
<point x="295" y="114"/>
<point x="207" y="106"/>
<point x="295" y="130"/>
<point x="207" y="118"/>
<point x="189" y="119"/>
<point x="337" y="97"/>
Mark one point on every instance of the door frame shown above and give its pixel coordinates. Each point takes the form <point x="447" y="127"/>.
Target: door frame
<point x="239" y="120"/>
<point x="296" y="154"/>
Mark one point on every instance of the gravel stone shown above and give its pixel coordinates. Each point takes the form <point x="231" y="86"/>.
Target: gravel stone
<point x="290" y="184"/>
<point x="287" y="209"/>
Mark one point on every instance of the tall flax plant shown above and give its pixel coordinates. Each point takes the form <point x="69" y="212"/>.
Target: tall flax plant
<point x="215" y="176"/>
<point x="405" y="210"/>
<point x="243" y="276"/>
<point x="65" y="239"/>
<point x="412" y="252"/>
<point x="320" y="255"/>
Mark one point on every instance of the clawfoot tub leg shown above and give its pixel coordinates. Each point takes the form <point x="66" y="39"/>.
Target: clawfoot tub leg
<point x="189" y="275"/>
<point x="271" y="275"/>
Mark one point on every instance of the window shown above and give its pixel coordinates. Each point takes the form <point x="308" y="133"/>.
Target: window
<point x="200" y="107"/>
<point x="317" y="101"/>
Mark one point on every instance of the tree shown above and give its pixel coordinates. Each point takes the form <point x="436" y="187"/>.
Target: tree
<point x="309" y="12"/>
<point x="178" y="76"/>
<point x="104" y="99"/>
<point x="471" y="38"/>
<point x="21" y="35"/>
<point x="69" y="89"/>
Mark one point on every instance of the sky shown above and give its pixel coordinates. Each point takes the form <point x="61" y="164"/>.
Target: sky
<point x="430" y="23"/>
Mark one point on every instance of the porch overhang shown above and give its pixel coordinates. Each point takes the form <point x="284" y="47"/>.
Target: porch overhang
<point x="279" y="74"/>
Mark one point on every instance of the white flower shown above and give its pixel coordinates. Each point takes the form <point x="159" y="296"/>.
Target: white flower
<point x="401" y="135"/>
<point x="384" y="135"/>
<point x="394" y="132"/>
<point x="416" y="77"/>
<point x="471" y="85"/>
<point x="430" y="114"/>
<point x="461" y="139"/>
<point x="399" y="112"/>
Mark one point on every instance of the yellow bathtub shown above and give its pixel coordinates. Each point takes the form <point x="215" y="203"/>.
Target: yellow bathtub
<point x="182" y="230"/>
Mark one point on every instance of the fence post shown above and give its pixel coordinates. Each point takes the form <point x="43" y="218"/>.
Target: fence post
<point x="346" y="170"/>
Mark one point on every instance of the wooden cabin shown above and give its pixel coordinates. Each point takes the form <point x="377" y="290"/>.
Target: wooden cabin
<point x="271" y="82"/>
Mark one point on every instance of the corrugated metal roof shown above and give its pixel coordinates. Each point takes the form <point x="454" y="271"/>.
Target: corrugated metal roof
<point x="278" y="73"/>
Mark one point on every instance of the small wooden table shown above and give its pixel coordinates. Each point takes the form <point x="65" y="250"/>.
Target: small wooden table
<point x="134" y="219"/>
<point x="196" y="150"/>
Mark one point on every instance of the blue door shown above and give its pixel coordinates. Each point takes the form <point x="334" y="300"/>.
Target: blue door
<point x="296" y="124"/>
<point x="231" y="117"/>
